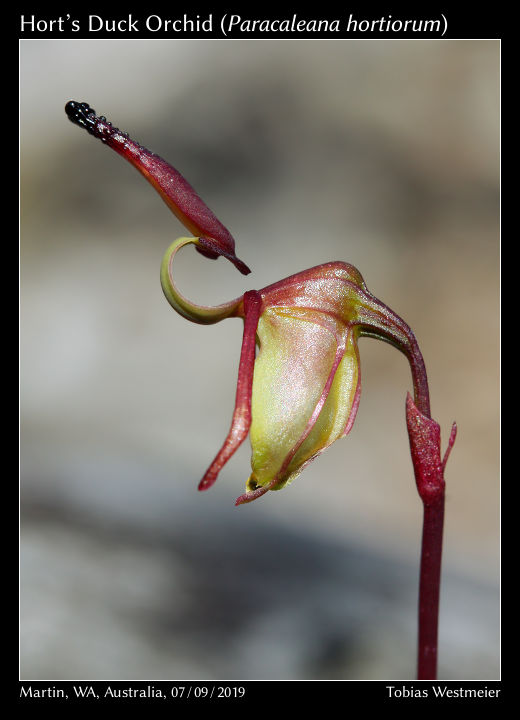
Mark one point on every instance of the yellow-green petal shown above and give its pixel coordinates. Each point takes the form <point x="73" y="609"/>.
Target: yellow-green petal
<point x="305" y="362"/>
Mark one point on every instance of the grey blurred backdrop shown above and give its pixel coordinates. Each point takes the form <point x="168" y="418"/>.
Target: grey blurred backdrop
<point x="381" y="154"/>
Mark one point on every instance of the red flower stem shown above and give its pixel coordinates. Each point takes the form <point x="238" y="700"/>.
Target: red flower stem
<point x="429" y="588"/>
<point x="432" y="532"/>
<point x="419" y="377"/>
<point x="425" y="440"/>
<point x="424" y="435"/>
<point x="433" y="527"/>
<point x="387" y="326"/>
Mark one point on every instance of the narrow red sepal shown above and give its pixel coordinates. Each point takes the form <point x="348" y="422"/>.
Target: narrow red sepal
<point x="242" y="415"/>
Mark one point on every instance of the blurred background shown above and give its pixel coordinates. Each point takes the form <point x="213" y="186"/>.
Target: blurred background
<point x="381" y="154"/>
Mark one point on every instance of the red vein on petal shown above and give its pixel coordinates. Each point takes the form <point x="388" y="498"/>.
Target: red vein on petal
<point x="353" y="410"/>
<point x="357" y="397"/>
<point x="242" y="414"/>
<point x="253" y="494"/>
<point x="340" y="351"/>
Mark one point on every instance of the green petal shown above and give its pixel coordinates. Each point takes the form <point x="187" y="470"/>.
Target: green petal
<point x="337" y="415"/>
<point x="297" y="361"/>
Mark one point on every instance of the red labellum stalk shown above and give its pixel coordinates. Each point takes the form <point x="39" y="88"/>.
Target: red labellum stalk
<point x="301" y="392"/>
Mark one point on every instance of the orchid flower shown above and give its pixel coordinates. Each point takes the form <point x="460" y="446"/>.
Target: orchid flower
<point x="301" y="392"/>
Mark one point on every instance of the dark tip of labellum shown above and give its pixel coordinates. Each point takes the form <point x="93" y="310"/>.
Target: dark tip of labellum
<point x="80" y="113"/>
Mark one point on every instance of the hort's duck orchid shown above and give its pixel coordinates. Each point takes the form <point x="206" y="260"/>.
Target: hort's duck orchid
<point x="301" y="392"/>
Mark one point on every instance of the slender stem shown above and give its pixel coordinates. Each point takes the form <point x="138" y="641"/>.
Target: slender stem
<point x="429" y="588"/>
<point x="425" y="441"/>
<point x="419" y="377"/>
<point x="424" y="434"/>
<point x="433" y="528"/>
<point x="386" y="325"/>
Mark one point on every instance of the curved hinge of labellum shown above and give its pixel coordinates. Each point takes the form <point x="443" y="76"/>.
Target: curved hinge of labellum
<point x="202" y="314"/>
<point x="214" y="238"/>
<point x="242" y="414"/>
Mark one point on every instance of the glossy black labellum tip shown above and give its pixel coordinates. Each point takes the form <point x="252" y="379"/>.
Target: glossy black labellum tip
<point x="80" y="113"/>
